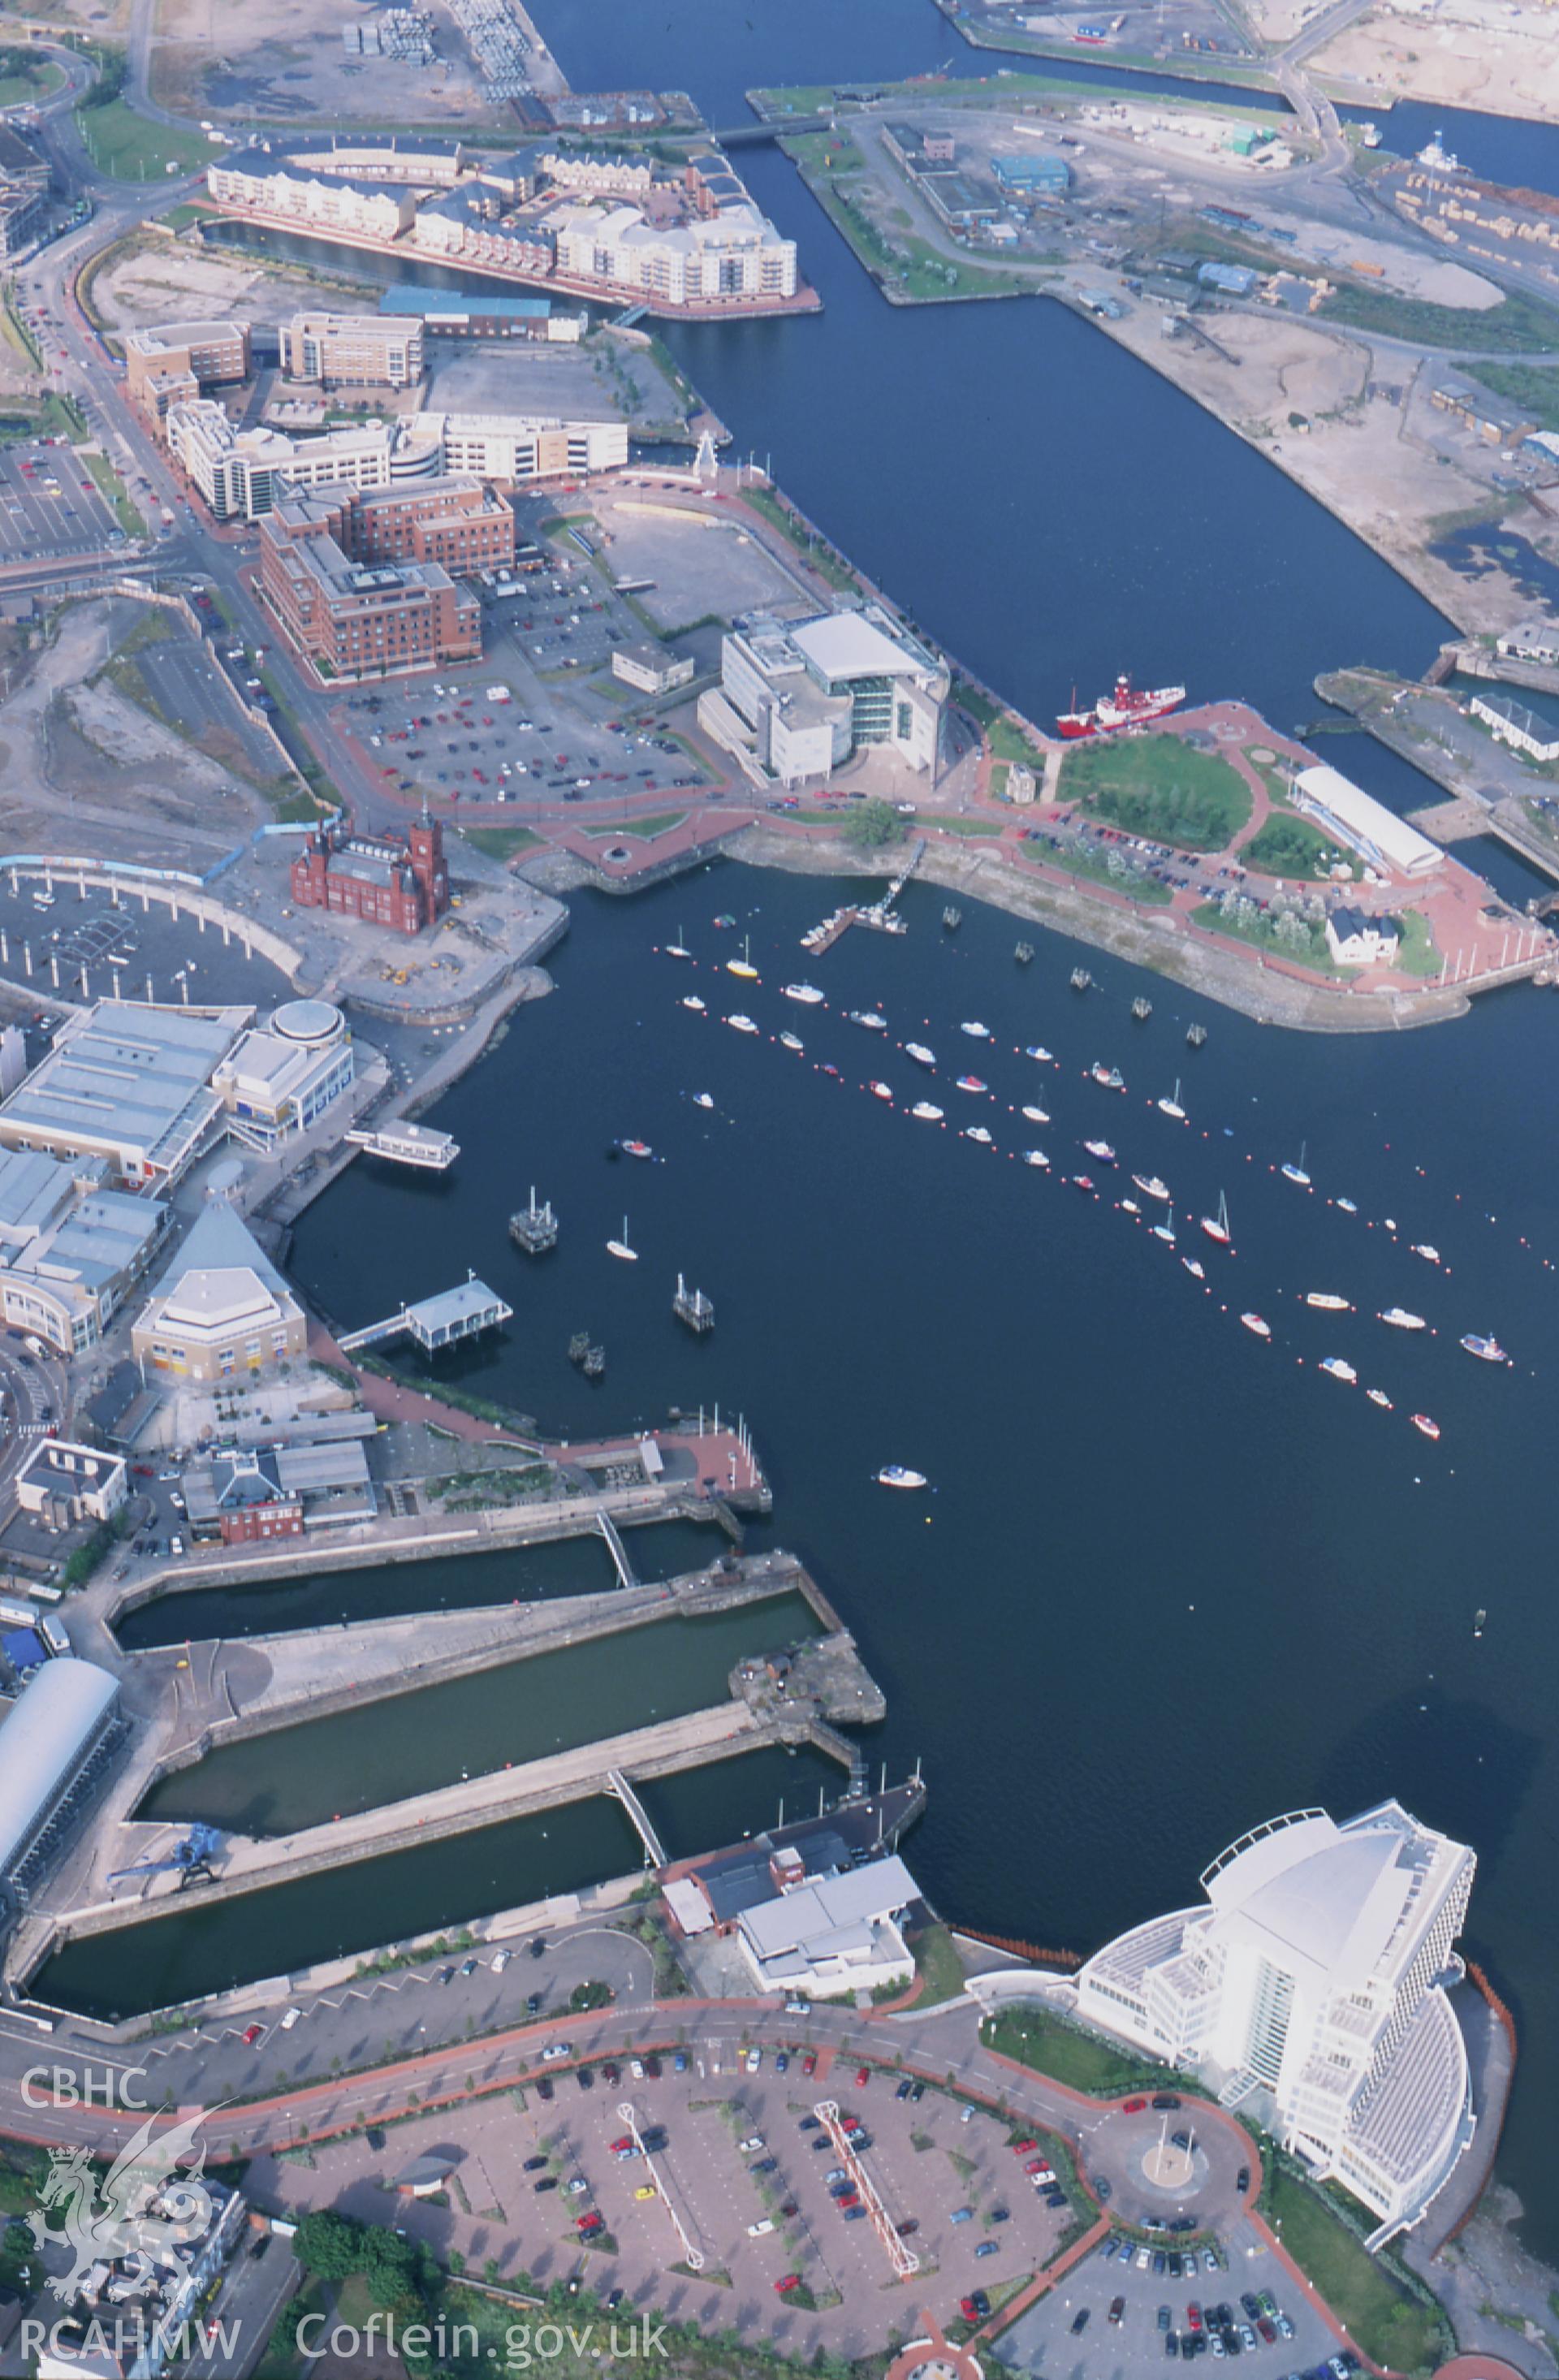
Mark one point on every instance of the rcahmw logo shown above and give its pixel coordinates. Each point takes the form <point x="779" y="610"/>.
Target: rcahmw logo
<point x="144" y="2214"/>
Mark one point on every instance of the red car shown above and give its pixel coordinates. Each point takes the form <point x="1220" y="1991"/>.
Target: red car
<point x="587" y="2223"/>
<point x="1020" y="2148"/>
<point x="786" y="2282"/>
<point x="968" y="2308"/>
<point x="621" y="2148"/>
<point x="254" y="2033"/>
<point x="1036" y="2164"/>
<point x="863" y="2076"/>
<point x="1133" y="2106"/>
<point x="810" y="2063"/>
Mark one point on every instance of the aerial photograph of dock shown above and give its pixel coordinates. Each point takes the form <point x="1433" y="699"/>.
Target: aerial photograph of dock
<point x="779" y="878"/>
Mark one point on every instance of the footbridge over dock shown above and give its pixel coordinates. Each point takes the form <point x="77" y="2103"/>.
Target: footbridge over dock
<point x="616" y="1548"/>
<point x="435" y="1322"/>
<point x="654" y="1850"/>
<point x="749" y="136"/>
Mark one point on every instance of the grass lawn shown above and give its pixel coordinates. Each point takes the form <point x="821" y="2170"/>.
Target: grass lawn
<point x="38" y="80"/>
<point x="1033" y="2036"/>
<point x="1419" y="954"/>
<point x="1389" y="2326"/>
<point x="780" y="517"/>
<point x="1260" y="935"/>
<point x="500" y="841"/>
<point x="1159" y="786"/>
<point x="126" y="145"/>
<point x="114" y="488"/>
<point x="1290" y="845"/>
<point x="938" y="1965"/>
<point x="1515" y="326"/>
<point x="1534" y="386"/>
<point x="1007" y="742"/>
<point x="1094" y="869"/>
<point x="647" y="829"/>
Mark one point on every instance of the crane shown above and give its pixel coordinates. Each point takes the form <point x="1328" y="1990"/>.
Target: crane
<point x="191" y="1856"/>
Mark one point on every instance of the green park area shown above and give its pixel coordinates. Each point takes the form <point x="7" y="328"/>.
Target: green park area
<point x="1285" y="937"/>
<point x="501" y="842"/>
<point x="128" y="147"/>
<point x="1393" y="2329"/>
<point x="25" y="77"/>
<point x="1159" y="786"/>
<point x="1286" y="844"/>
<point x="1031" y="2037"/>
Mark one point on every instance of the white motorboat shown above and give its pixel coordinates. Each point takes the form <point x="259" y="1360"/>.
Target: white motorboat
<point x="694" y="1002"/>
<point x="1339" y="1369"/>
<point x="807" y="993"/>
<point x="926" y="1113"/>
<point x="1036" y="1115"/>
<point x="1254" y="1322"/>
<point x="791" y="1041"/>
<point x="1036" y="1157"/>
<point x="1151" y="1186"/>
<point x="623" y="1247"/>
<point x="898" y="1475"/>
<point x="976" y="1031"/>
<point x="881" y="1091"/>
<point x="1037" y="1049"/>
<point x="1328" y="1301"/>
<point x="918" y="1052"/>
<point x="978" y="1132"/>
<point x="1399" y="1318"/>
<point x="1194" y="1266"/>
<point x="703" y="1100"/>
<point x="741" y="1025"/>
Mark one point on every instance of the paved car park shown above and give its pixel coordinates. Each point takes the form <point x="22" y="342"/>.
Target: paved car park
<point x="1112" y="2315"/>
<point x="50" y="505"/>
<point x="738" y="2168"/>
<point x="522" y="745"/>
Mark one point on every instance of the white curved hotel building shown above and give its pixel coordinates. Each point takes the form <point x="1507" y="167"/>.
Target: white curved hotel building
<point x="1313" y="1987"/>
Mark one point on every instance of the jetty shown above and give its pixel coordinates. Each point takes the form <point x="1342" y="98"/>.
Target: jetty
<point x="692" y="1307"/>
<point x="433" y="1322"/>
<point x="407" y="1144"/>
<point x="534" y="1229"/>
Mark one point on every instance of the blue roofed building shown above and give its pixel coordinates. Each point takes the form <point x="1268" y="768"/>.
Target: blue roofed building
<point x="1037" y="175"/>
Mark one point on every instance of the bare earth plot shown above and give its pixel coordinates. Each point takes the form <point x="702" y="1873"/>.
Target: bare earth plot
<point x="1472" y="53"/>
<point x="285" y="59"/>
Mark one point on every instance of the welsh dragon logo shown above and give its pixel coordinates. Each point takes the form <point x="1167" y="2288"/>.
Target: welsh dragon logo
<point x="144" y="2213"/>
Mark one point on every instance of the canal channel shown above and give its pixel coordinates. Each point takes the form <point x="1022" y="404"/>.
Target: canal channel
<point x="195" y="1950"/>
<point x="283" y="1779"/>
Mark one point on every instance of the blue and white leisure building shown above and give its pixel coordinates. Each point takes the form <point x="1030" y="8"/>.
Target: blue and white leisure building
<point x="1312" y="1991"/>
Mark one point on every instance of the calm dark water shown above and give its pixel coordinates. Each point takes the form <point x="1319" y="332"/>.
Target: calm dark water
<point x="1171" y="1580"/>
<point x="355" y="1759"/>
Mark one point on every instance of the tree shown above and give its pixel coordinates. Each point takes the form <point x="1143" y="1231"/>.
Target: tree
<point x="590" y="1996"/>
<point x="389" y="2265"/>
<point x="872" y="826"/>
<point x="330" y="2244"/>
